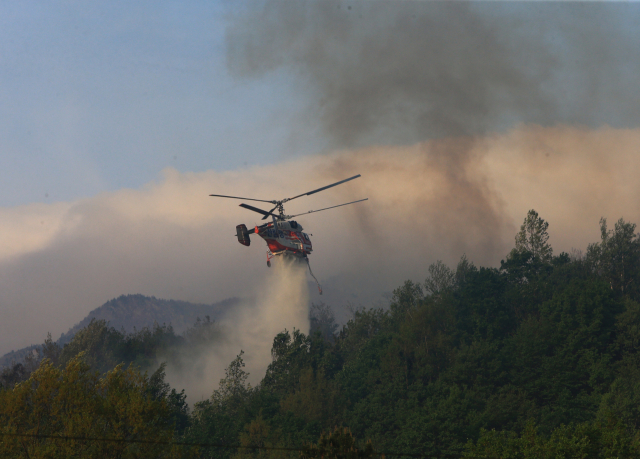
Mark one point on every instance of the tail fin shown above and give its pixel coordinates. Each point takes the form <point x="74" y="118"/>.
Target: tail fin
<point x="243" y="235"/>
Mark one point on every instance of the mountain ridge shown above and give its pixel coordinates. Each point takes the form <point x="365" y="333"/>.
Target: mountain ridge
<point x="133" y="312"/>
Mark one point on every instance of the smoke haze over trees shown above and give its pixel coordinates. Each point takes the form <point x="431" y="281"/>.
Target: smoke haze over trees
<point x="473" y="332"/>
<point x="170" y="240"/>
<point x="460" y="116"/>
<point x="538" y="355"/>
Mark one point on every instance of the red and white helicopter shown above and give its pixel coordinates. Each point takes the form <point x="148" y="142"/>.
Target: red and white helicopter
<point x="282" y="235"/>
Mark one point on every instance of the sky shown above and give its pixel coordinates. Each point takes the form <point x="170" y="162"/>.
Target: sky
<point x="100" y="96"/>
<point x="117" y="120"/>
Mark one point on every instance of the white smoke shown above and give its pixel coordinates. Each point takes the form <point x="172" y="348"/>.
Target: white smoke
<point x="279" y="302"/>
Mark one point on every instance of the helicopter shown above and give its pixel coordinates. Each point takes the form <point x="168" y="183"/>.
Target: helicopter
<point x="283" y="235"/>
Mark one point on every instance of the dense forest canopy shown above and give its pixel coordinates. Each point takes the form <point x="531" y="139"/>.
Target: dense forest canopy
<point x="537" y="358"/>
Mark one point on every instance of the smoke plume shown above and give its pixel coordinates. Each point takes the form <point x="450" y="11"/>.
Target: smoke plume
<point x="171" y="240"/>
<point x="399" y="72"/>
<point x="279" y="302"/>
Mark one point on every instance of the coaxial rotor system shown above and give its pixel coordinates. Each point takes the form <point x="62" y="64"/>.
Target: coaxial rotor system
<point x="279" y="205"/>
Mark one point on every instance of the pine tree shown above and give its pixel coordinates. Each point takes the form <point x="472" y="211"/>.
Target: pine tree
<point x="533" y="238"/>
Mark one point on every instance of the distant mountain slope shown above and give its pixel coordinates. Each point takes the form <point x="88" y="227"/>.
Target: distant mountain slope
<point x="138" y="311"/>
<point x="19" y="355"/>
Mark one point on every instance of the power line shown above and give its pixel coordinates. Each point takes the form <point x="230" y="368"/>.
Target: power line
<point x="203" y="445"/>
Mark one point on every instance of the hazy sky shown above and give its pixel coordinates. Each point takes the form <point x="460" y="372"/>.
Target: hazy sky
<point x="118" y="119"/>
<point x="103" y="95"/>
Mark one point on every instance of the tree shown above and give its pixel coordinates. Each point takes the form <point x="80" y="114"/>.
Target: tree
<point x="13" y="374"/>
<point x="20" y="371"/>
<point x="176" y="401"/>
<point x="203" y="332"/>
<point x="233" y="388"/>
<point x="617" y="256"/>
<point x="533" y="238"/>
<point x="584" y="440"/>
<point x="77" y="402"/>
<point x="322" y="320"/>
<point x="339" y="444"/>
<point x="441" y="278"/>
<point x="220" y="419"/>
<point x="50" y="350"/>
<point x="405" y="299"/>
<point x="464" y="269"/>
<point x="96" y="342"/>
<point x="313" y="399"/>
<point x="290" y="355"/>
<point x="257" y="442"/>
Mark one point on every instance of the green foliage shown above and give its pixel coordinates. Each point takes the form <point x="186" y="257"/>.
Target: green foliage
<point x="291" y="354"/>
<point x="209" y="425"/>
<point x="313" y="400"/>
<point x="220" y="419"/>
<point x="175" y="401"/>
<point x="533" y="238"/>
<point x="203" y="333"/>
<point x="98" y="343"/>
<point x="338" y="444"/>
<point x="104" y="346"/>
<point x="405" y="299"/>
<point x="233" y="388"/>
<point x="537" y="359"/>
<point x="617" y="257"/>
<point x="258" y="439"/>
<point x="585" y="440"/>
<point x="16" y="373"/>
<point x="441" y="279"/>
<point x="562" y="356"/>
<point x="77" y="402"/>
<point x="322" y="320"/>
<point x="50" y="350"/>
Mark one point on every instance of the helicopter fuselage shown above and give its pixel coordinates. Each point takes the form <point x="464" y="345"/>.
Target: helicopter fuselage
<point x="286" y="237"/>
<point x="283" y="237"/>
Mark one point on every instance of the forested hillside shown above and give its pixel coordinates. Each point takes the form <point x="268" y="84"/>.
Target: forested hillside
<point x="135" y="312"/>
<point x="131" y="312"/>
<point x="537" y="358"/>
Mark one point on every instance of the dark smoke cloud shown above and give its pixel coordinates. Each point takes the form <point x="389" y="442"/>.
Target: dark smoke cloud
<point x="399" y="72"/>
<point x="402" y="72"/>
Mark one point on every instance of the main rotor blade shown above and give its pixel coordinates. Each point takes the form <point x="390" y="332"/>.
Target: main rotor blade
<point x="324" y="188"/>
<point x="236" y="197"/>
<point x="266" y="216"/>
<point x="326" y="208"/>
<point x="260" y="211"/>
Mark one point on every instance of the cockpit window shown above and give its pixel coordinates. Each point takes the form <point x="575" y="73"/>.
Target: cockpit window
<point x="293" y="224"/>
